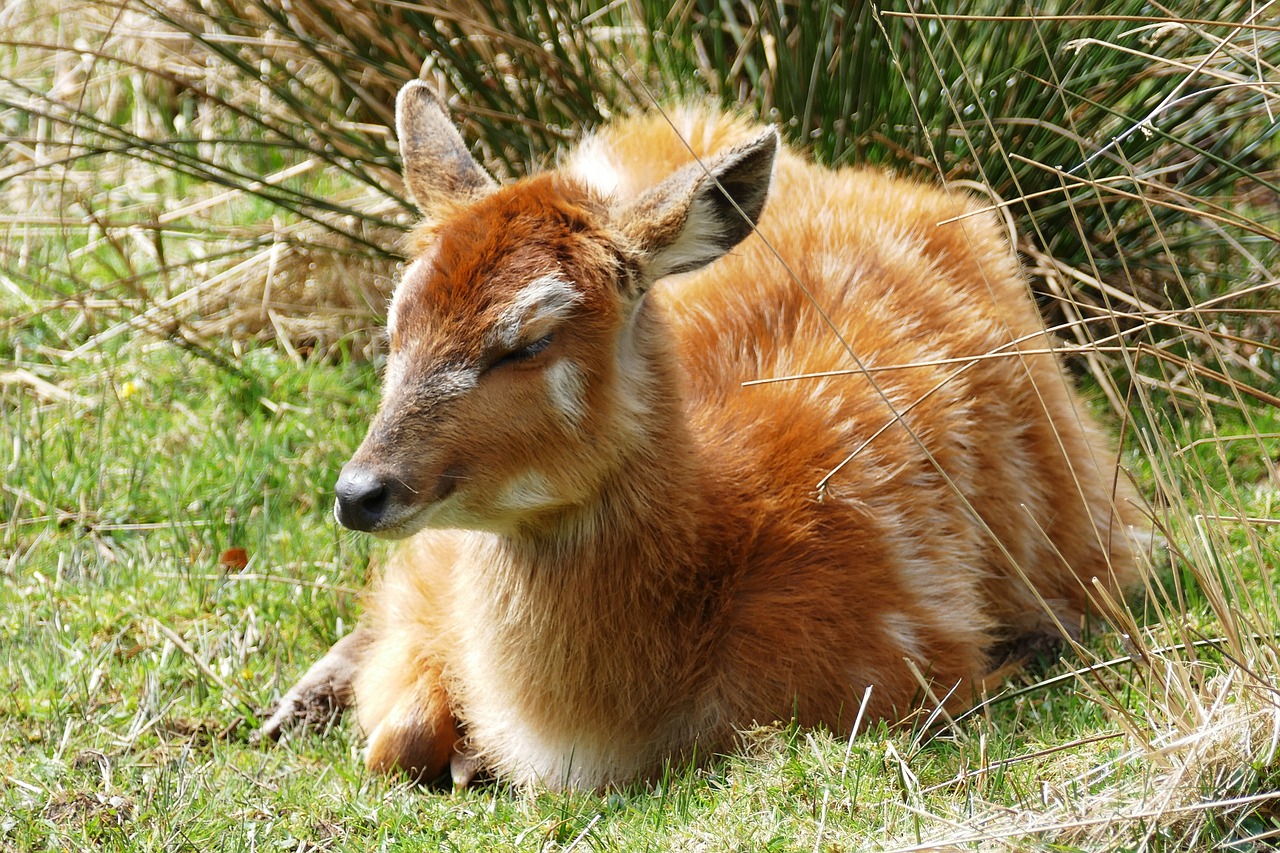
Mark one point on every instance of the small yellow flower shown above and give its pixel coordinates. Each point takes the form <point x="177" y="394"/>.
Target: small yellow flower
<point x="128" y="389"/>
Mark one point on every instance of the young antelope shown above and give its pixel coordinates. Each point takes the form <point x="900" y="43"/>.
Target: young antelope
<point x="628" y="533"/>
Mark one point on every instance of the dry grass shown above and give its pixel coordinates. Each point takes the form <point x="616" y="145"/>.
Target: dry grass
<point x="220" y="174"/>
<point x="131" y="158"/>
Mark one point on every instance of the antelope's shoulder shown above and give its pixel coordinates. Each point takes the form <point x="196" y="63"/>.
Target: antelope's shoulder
<point x="630" y="155"/>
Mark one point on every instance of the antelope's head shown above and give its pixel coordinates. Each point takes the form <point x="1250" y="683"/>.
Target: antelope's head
<point x="508" y="391"/>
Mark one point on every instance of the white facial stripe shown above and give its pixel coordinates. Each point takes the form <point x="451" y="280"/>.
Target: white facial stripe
<point x="549" y="297"/>
<point x="567" y="388"/>
<point x="391" y="312"/>
<point x="455" y="381"/>
<point x="440" y="386"/>
<point x="409" y="271"/>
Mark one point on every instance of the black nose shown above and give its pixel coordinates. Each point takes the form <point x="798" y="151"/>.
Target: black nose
<point x="362" y="499"/>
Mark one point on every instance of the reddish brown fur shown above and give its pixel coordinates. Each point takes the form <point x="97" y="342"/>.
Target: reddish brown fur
<point x="685" y="577"/>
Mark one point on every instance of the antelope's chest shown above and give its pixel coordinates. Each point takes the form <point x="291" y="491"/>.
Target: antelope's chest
<point x="535" y="719"/>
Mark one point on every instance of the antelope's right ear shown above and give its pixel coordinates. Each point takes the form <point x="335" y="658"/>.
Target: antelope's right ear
<point x="702" y="211"/>
<point x="437" y="165"/>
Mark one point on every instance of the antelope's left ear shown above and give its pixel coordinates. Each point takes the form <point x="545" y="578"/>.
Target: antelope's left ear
<point x="437" y="165"/>
<point x="702" y="211"/>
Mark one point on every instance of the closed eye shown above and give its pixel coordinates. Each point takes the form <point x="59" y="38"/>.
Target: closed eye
<point x="524" y="353"/>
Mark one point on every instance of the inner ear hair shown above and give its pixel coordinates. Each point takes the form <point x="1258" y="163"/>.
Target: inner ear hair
<point x="740" y="185"/>
<point x="703" y="210"/>
<point x="438" y="167"/>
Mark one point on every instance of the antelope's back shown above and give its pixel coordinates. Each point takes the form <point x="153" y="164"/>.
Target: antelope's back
<point x="947" y="406"/>
<point x="847" y="265"/>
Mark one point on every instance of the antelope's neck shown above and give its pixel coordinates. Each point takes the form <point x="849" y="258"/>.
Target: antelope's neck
<point x="586" y="637"/>
<point x="639" y="531"/>
<point x="631" y="551"/>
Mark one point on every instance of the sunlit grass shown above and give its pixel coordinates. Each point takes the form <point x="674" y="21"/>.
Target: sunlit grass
<point x="182" y="183"/>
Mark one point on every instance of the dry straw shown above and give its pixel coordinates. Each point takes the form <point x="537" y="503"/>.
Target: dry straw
<point x="219" y="173"/>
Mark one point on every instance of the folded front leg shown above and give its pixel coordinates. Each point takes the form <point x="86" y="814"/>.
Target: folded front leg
<point x="418" y="734"/>
<point x="324" y="691"/>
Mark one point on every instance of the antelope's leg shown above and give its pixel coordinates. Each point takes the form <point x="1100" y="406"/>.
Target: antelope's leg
<point x="324" y="692"/>
<point x="418" y="735"/>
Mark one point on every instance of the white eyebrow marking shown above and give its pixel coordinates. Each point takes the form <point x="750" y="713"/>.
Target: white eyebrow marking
<point x="549" y="297"/>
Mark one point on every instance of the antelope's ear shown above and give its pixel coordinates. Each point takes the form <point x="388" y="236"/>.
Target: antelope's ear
<point x="702" y="211"/>
<point x="437" y="165"/>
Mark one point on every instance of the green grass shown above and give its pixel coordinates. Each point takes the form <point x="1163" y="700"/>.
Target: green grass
<point x="115" y="736"/>
<point x="145" y="432"/>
